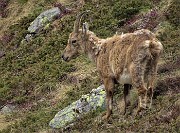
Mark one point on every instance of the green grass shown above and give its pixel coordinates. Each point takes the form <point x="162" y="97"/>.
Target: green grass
<point x="22" y="1"/>
<point x="32" y="71"/>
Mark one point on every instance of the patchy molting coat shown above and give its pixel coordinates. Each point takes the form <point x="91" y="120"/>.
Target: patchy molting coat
<point x="127" y="59"/>
<point x="117" y="54"/>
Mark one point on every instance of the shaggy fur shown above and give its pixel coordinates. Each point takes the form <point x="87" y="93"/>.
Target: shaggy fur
<point x="129" y="59"/>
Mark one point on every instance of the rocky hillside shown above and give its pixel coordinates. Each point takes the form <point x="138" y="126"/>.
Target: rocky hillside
<point x="35" y="83"/>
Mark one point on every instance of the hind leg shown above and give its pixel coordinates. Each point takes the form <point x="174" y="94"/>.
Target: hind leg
<point x="137" y="73"/>
<point x="127" y="87"/>
<point x="142" y="95"/>
<point x="151" y="81"/>
<point x="149" y="97"/>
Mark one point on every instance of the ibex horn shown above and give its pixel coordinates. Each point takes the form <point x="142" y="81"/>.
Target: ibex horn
<point x="78" y="20"/>
<point x="85" y="28"/>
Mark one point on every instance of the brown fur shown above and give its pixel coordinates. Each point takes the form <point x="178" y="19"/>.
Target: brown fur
<point x="129" y="59"/>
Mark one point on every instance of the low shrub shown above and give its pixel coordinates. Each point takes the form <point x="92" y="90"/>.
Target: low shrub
<point x="173" y="12"/>
<point x="3" y="5"/>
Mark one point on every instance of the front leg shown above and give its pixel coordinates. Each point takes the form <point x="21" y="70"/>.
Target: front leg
<point x="150" y="90"/>
<point x="109" y="87"/>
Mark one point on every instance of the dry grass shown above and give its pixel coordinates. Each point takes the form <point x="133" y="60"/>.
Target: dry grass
<point x="15" y="12"/>
<point x="3" y="122"/>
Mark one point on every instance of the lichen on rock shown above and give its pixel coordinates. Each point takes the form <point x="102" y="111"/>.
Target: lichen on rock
<point x="43" y="19"/>
<point x="89" y="102"/>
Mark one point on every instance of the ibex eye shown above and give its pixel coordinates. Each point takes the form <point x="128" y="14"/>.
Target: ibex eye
<point x="73" y="41"/>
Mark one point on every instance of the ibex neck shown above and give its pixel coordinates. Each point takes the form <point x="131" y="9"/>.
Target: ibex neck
<point x="92" y="46"/>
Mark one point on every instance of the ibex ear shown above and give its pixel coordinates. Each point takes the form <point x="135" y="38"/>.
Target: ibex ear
<point x="85" y="28"/>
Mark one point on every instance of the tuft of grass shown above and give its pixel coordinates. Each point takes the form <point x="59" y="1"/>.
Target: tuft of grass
<point x="22" y="1"/>
<point x="172" y="13"/>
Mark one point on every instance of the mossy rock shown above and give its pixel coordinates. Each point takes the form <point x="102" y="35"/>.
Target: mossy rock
<point x="87" y="103"/>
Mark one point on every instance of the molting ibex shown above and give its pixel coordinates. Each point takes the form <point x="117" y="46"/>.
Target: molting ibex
<point x="129" y="59"/>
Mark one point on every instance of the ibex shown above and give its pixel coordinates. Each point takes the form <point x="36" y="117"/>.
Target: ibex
<point x="129" y="59"/>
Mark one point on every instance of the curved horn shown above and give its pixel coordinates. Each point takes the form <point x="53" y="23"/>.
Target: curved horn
<point x="78" y="20"/>
<point x="85" y="28"/>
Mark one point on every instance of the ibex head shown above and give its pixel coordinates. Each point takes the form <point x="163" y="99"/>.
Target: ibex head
<point x="75" y="39"/>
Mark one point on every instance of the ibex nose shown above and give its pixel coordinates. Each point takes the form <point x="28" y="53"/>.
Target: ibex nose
<point x="64" y="58"/>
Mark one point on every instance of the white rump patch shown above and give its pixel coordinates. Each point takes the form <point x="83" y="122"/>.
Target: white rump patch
<point x="125" y="78"/>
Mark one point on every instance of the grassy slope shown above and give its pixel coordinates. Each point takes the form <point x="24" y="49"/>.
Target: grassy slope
<point x="39" y="83"/>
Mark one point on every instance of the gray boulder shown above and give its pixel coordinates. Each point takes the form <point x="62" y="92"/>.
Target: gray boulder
<point x="89" y="102"/>
<point x="44" y="19"/>
<point x="8" y="109"/>
<point x="2" y="53"/>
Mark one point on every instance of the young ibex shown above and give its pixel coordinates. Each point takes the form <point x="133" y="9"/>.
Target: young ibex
<point x="129" y="59"/>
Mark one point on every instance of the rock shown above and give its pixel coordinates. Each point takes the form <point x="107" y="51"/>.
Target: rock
<point x="43" y="19"/>
<point x="8" y="109"/>
<point x="2" y="53"/>
<point x="29" y="37"/>
<point x="95" y="99"/>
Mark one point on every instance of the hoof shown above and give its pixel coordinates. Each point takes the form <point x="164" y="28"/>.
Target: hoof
<point x="143" y="106"/>
<point x="148" y="107"/>
<point x="105" y="117"/>
<point x="107" y="120"/>
<point x="140" y="109"/>
<point x="124" y="112"/>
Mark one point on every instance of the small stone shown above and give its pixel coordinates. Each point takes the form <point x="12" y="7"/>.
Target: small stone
<point x="2" y="53"/>
<point x="8" y="109"/>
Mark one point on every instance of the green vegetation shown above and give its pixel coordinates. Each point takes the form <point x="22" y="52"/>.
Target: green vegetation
<point x="31" y="72"/>
<point x="173" y="12"/>
<point x="107" y="15"/>
<point x="22" y="1"/>
<point x="32" y="65"/>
